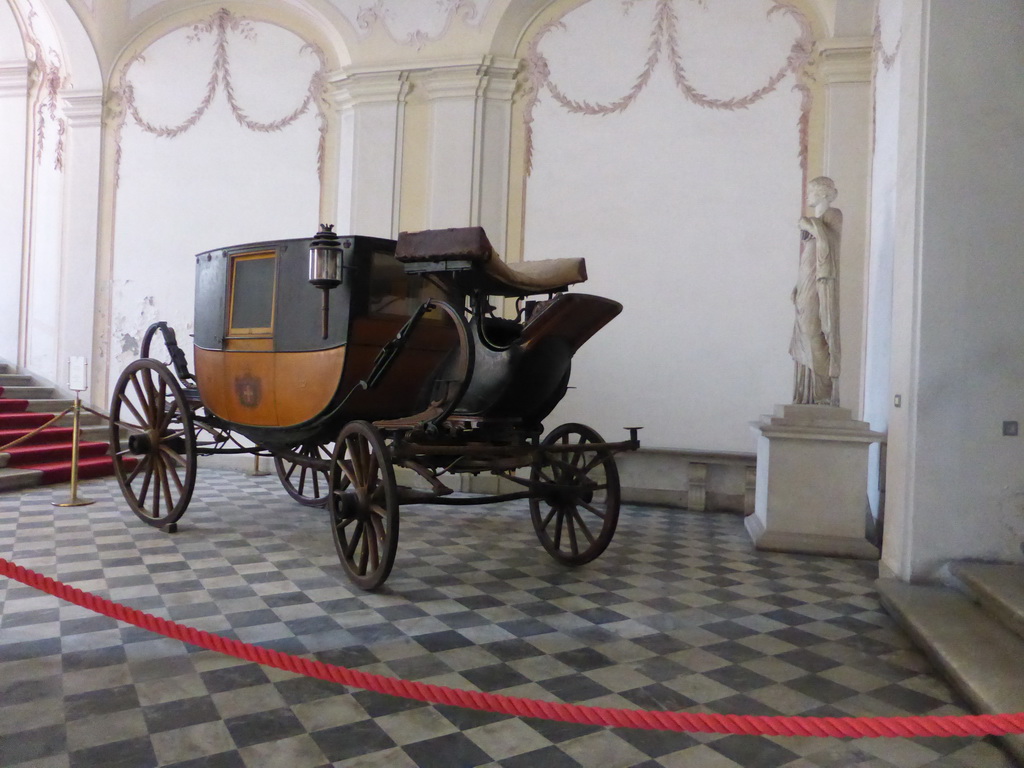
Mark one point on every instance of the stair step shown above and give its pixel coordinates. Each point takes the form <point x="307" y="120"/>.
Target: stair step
<point x="26" y="392"/>
<point x="48" y="435"/>
<point x="60" y="471"/>
<point x="999" y="588"/>
<point x="16" y="479"/>
<point x="979" y="656"/>
<point x="89" y="433"/>
<point x="49" y="452"/>
<point x="15" y="380"/>
<point x="47" y="405"/>
<point x="98" y="432"/>
<point x="85" y="419"/>
<point x="22" y="420"/>
<point x="32" y="455"/>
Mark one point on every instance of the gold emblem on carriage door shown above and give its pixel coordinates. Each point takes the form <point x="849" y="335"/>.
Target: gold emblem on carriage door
<point x="249" y="390"/>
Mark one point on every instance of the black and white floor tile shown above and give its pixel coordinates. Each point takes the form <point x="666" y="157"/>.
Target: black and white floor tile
<point x="679" y="613"/>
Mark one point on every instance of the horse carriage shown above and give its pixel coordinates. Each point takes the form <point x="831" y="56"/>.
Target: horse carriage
<point x="348" y="358"/>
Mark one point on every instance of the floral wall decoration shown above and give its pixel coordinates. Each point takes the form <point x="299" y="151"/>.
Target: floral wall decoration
<point x="664" y="43"/>
<point x="220" y="27"/>
<point x="48" y="78"/>
<point x="886" y="58"/>
<point x="418" y="24"/>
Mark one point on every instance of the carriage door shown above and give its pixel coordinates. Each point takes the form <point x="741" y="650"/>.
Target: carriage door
<point x="250" y="329"/>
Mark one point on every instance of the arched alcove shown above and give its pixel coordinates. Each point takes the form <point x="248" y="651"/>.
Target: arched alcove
<point x="221" y="137"/>
<point x="51" y="119"/>
<point x="675" y="161"/>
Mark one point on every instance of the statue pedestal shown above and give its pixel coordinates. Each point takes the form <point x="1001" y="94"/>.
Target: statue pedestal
<point x="812" y="468"/>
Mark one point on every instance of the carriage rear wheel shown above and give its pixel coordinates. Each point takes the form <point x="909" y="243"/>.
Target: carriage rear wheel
<point x="363" y="505"/>
<point x="576" y="505"/>
<point x="304" y="483"/>
<point x="153" y="442"/>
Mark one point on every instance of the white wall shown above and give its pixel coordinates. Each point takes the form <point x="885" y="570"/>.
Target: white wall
<point x="958" y="490"/>
<point x="685" y="213"/>
<point x="43" y="180"/>
<point x="215" y="183"/>
<point x="13" y="147"/>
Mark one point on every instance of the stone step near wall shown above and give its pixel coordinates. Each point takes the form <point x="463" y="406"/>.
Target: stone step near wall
<point x="45" y="458"/>
<point x="973" y="631"/>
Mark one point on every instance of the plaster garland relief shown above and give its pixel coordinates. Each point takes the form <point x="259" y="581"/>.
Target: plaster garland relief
<point x="123" y="104"/>
<point x="664" y="41"/>
<point x="413" y="25"/>
<point x="48" y="78"/>
<point x="887" y="59"/>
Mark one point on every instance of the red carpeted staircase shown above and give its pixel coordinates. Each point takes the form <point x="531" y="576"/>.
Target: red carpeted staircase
<point x="46" y="457"/>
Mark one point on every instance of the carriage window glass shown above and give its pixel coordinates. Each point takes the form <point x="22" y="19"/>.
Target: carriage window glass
<point x="393" y="291"/>
<point x="252" y="294"/>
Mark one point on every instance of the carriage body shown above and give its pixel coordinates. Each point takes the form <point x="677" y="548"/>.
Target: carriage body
<point x="399" y="361"/>
<point x="262" y="365"/>
<point x="264" y="369"/>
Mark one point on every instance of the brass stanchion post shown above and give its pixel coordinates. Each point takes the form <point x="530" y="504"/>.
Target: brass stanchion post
<point x="76" y="376"/>
<point x="74" y="501"/>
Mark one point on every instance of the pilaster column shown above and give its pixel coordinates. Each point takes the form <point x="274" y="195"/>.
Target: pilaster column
<point x="371" y="111"/>
<point x="845" y="67"/>
<point x="470" y="107"/>
<point x="83" y="113"/>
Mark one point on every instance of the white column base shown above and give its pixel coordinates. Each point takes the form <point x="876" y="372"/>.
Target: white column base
<point x="811" y="495"/>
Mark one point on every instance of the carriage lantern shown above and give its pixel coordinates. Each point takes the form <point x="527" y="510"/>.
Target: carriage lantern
<point x="325" y="265"/>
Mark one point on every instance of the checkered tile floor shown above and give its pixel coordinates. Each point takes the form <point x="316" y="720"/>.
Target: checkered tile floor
<point x="679" y="613"/>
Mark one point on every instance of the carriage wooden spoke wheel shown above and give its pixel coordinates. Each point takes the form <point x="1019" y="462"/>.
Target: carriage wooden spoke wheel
<point x="575" y="507"/>
<point x="304" y="483"/>
<point x="363" y="505"/>
<point x="153" y="442"/>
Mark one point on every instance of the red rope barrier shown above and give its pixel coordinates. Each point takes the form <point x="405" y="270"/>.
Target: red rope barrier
<point x="777" y="725"/>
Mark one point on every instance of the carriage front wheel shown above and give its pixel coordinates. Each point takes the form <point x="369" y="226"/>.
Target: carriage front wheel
<point x="363" y="504"/>
<point x="153" y="443"/>
<point x="575" y="506"/>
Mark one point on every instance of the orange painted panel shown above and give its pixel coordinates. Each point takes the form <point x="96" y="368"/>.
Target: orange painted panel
<point x="268" y="389"/>
<point x="306" y="383"/>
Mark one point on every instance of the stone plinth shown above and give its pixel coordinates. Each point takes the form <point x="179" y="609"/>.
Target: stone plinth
<point x="812" y="469"/>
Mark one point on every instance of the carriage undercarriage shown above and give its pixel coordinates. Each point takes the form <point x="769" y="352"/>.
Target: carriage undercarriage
<point x="569" y="476"/>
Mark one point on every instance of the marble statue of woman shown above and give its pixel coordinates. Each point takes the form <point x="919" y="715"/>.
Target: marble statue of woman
<point x="815" y="344"/>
